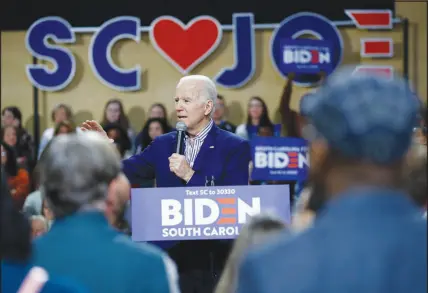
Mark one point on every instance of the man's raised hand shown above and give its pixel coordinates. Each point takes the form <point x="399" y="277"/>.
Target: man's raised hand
<point x="92" y="125"/>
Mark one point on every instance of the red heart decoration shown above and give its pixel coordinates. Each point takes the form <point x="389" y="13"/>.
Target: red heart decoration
<point x="185" y="46"/>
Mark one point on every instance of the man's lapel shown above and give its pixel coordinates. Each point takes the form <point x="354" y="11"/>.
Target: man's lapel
<point x="207" y="149"/>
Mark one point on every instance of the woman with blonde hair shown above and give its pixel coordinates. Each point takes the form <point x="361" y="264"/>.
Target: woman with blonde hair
<point x="257" y="231"/>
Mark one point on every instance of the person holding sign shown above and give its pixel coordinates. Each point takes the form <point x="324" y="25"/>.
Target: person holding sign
<point x="199" y="155"/>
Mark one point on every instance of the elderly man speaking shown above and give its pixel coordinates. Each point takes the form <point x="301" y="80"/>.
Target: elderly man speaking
<point x="211" y="156"/>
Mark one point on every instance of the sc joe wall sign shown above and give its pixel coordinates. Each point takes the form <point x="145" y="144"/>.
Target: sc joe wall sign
<point x="185" y="46"/>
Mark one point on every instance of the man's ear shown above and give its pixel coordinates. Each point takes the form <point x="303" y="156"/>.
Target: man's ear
<point x="111" y="191"/>
<point x="209" y="107"/>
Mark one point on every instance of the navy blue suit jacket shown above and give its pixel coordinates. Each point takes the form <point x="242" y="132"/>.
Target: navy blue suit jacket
<point x="223" y="155"/>
<point x="369" y="241"/>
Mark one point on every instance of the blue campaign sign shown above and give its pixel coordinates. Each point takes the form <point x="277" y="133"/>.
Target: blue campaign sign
<point x="306" y="56"/>
<point x="279" y="158"/>
<point x="167" y="215"/>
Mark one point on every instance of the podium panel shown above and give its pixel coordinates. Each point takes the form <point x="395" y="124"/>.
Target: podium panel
<point x="197" y="213"/>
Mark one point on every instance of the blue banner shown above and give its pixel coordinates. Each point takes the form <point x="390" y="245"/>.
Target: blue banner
<point x="279" y="158"/>
<point x="197" y="213"/>
<point x="306" y="56"/>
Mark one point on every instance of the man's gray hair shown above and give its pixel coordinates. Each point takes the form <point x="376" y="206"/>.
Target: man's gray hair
<point x="77" y="171"/>
<point x="207" y="88"/>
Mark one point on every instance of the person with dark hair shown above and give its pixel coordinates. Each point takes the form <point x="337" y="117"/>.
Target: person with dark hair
<point x="258" y="114"/>
<point x="219" y="114"/>
<point x="157" y="114"/>
<point x="17" y="178"/>
<point x="120" y="137"/>
<point x="153" y="128"/>
<point x="12" y="116"/>
<point x="60" y="112"/>
<point x="114" y="114"/>
<point x="17" y="272"/>
<point x="369" y="235"/>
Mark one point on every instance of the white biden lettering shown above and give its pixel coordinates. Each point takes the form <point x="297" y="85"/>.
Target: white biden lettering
<point x="277" y="160"/>
<point x="202" y="211"/>
<point x="304" y="57"/>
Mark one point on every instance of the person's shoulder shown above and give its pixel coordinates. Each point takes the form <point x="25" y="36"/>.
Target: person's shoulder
<point x="230" y="137"/>
<point x="167" y="137"/>
<point x="286" y="248"/>
<point x="142" y="251"/>
<point x="241" y="127"/>
<point x="62" y="285"/>
<point x="48" y="131"/>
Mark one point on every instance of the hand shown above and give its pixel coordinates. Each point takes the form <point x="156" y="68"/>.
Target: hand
<point x="92" y="125"/>
<point x="179" y="166"/>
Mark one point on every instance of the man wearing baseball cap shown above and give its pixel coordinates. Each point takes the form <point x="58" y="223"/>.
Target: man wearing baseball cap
<point x="368" y="235"/>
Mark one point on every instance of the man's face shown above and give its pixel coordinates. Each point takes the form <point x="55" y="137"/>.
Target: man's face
<point x="219" y="110"/>
<point x="7" y="119"/>
<point x="191" y="108"/>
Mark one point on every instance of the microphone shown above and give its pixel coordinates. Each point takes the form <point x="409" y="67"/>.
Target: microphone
<point x="181" y="128"/>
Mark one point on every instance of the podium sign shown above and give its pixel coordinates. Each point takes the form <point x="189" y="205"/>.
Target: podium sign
<point x="195" y="213"/>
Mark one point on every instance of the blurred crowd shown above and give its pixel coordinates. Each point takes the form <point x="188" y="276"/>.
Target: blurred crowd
<point x="35" y="177"/>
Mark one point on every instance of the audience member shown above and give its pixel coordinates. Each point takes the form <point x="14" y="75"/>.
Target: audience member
<point x="120" y="138"/>
<point x="367" y="237"/>
<point x="77" y="175"/>
<point x="12" y="116"/>
<point x="64" y="127"/>
<point x="60" y="112"/>
<point x="114" y="113"/>
<point x="219" y="115"/>
<point x="17" y="178"/>
<point x="157" y="111"/>
<point x="257" y="231"/>
<point x="17" y="272"/>
<point x="153" y="128"/>
<point x="33" y="202"/>
<point x="257" y="114"/>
